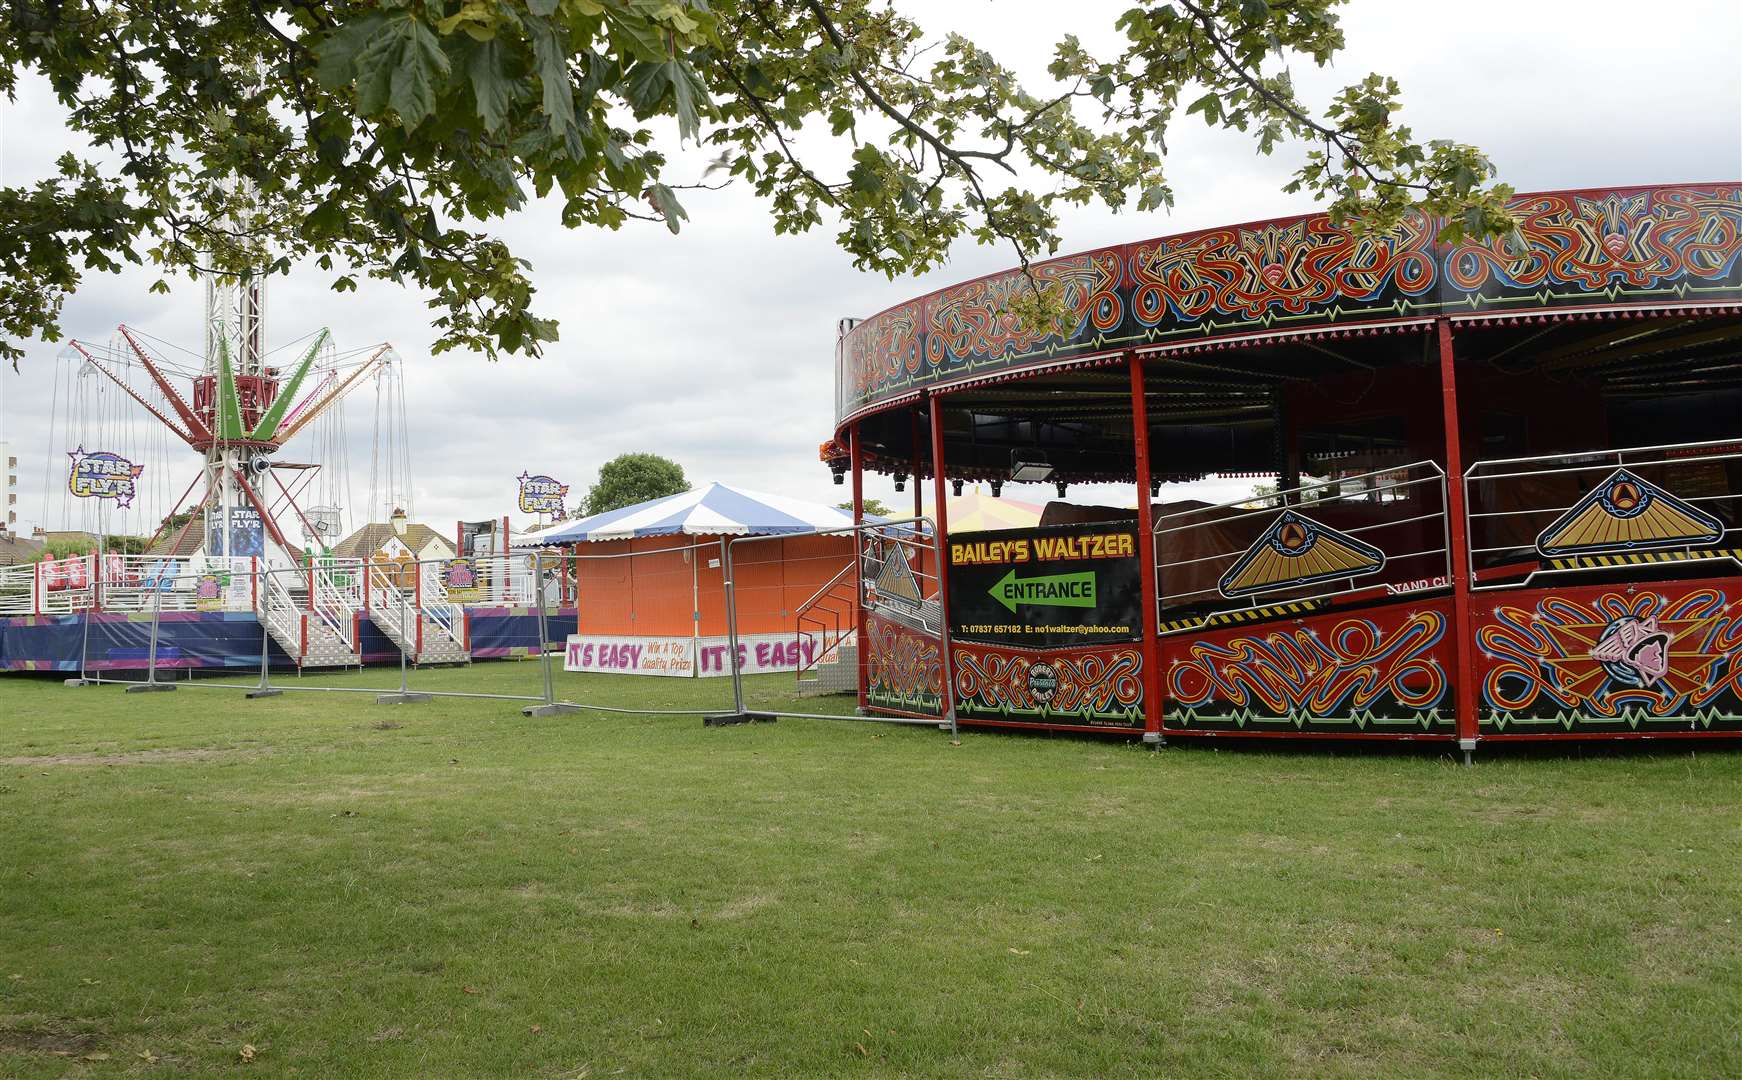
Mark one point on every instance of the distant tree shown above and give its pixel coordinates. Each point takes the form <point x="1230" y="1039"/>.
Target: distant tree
<point x="631" y="478"/>
<point x="65" y="547"/>
<point x="873" y="507"/>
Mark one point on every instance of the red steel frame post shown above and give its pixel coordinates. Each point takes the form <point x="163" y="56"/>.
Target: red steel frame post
<point x="941" y="513"/>
<point x="1146" y="554"/>
<point x="918" y="488"/>
<point x="856" y="455"/>
<point x="1465" y="683"/>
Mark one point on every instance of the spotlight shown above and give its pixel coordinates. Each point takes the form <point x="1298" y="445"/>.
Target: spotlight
<point x="840" y="478"/>
<point x="900" y="481"/>
<point x="997" y="489"/>
<point x="1061" y="486"/>
<point x="1155" y="489"/>
<point x="956" y="487"/>
<point x="1029" y="466"/>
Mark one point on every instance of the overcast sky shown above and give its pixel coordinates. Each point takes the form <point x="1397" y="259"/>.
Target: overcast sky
<point x="715" y="347"/>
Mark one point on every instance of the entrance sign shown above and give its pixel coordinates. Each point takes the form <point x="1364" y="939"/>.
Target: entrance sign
<point x="1047" y="588"/>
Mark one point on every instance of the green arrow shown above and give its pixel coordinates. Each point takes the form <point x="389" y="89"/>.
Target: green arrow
<point x="1053" y="590"/>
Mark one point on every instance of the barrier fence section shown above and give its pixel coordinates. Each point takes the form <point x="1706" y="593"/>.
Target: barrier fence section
<point x="645" y="606"/>
<point x="719" y="610"/>
<point x="1559" y="514"/>
<point x="1370" y="535"/>
<point x="810" y="586"/>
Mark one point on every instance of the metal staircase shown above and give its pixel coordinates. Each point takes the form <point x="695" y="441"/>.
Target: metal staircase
<point x="422" y="622"/>
<point x="317" y="628"/>
<point x="830" y="618"/>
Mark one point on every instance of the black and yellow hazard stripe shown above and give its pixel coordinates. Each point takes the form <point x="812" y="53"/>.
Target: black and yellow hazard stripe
<point x="1241" y="615"/>
<point x="1640" y="558"/>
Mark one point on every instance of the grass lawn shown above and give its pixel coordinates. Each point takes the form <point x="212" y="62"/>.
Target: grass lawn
<point x="449" y="889"/>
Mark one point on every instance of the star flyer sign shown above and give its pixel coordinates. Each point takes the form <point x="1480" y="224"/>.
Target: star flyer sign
<point x="101" y="474"/>
<point x="541" y="494"/>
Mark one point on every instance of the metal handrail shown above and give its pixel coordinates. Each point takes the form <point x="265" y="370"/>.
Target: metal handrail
<point x="435" y="603"/>
<point x="1430" y="565"/>
<point x="1486" y="475"/>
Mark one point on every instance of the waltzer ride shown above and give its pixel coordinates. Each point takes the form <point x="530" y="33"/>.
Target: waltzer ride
<point x="1507" y="482"/>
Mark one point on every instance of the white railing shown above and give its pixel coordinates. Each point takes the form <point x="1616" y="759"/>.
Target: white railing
<point x="508" y="580"/>
<point x="1383" y="532"/>
<point x="335" y="594"/>
<point x="433" y="600"/>
<point x="389" y="607"/>
<point x="49" y="587"/>
<point x="1511" y="502"/>
<point x="18" y="590"/>
<point x="276" y="608"/>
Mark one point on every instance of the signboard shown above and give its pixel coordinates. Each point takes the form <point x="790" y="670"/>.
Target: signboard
<point x="1047" y="588"/>
<point x="757" y="653"/>
<point x="707" y="657"/>
<point x="460" y="579"/>
<point x="247" y="533"/>
<point x="102" y="474"/>
<point x="631" y="655"/>
<point x="541" y="494"/>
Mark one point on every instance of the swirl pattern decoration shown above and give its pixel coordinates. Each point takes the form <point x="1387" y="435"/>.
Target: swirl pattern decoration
<point x="1629" y="248"/>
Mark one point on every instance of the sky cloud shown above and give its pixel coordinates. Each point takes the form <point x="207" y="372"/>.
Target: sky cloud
<point x="715" y="347"/>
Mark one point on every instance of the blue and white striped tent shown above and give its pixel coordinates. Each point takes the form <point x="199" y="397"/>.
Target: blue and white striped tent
<point x="713" y="510"/>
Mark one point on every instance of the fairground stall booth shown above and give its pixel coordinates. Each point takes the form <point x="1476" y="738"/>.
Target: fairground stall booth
<point x="1508" y="476"/>
<point x="650" y="586"/>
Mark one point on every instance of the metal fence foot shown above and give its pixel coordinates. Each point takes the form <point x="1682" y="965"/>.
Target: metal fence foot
<point x="80" y="682"/>
<point x="554" y="709"/>
<point x="150" y="687"/>
<point x="1155" y="740"/>
<point x="1468" y="746"/>
<point x="722" y="719"/>
<point x="399" y="699"/>
<point x="263" y="693"/>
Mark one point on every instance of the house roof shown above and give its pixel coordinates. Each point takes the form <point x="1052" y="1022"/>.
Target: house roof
<point x="182" y="540"/>
<point x="15" y="549"/>
<point x="371" y="537"/>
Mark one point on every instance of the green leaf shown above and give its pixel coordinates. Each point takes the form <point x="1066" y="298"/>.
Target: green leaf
<point x="490" y="85"/>
<point x="401" y="67"/>
<point x="665" y="201"/>
<point x="550" y="47"/>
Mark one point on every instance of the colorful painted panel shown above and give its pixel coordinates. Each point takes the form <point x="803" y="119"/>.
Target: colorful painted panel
<point x="903" y="668"/>
<point x="1615" y="658"/>
<point x="1101" y="687"/>
<point x="1636" y="247"/>
<point x="1294" y="551"/>
<point x="1626" y="513"/>
<point x="1377" y="672"/>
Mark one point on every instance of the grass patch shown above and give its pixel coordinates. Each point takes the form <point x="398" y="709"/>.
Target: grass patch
<point x="450" y="889"/>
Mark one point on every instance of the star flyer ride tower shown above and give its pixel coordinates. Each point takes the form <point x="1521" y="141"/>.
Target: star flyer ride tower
<point x="241" y="410"/>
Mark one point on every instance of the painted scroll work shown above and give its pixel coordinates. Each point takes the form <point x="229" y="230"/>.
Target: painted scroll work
<point x="1612" y="659"/>
<point x="1384" y="672"/>
<point x="1606" y="248"/>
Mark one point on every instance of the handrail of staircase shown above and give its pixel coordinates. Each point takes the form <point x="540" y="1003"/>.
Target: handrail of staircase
<point x="276" y="607"/>
<point x="391" y="610"/>
<point x="442" y="611"/>
<point x="333" y="605"/>
<point x="807" y="613"/>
